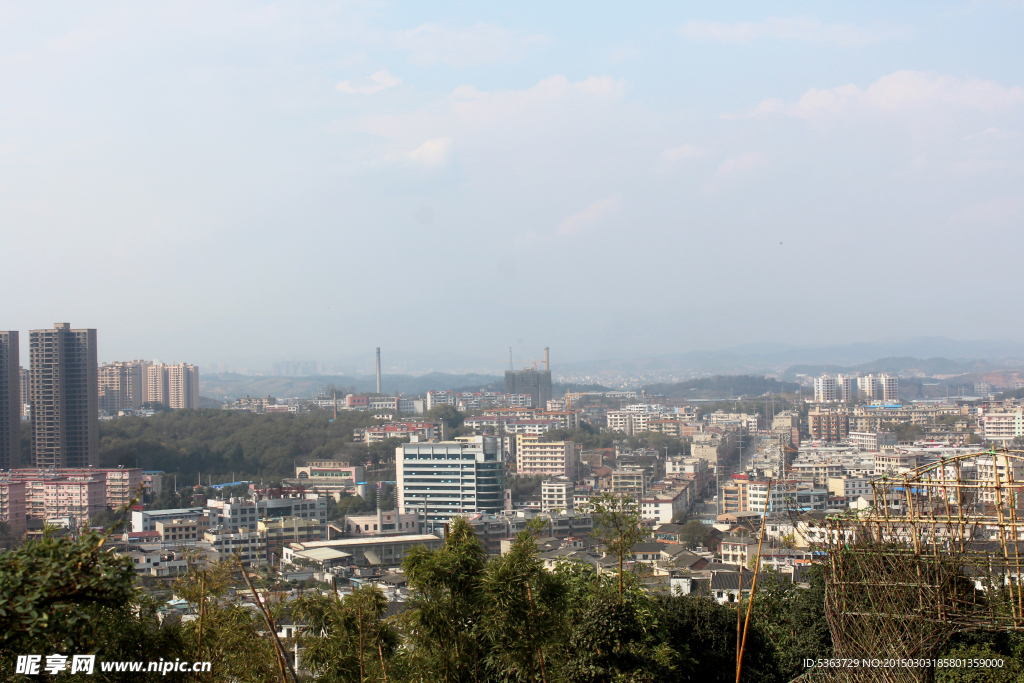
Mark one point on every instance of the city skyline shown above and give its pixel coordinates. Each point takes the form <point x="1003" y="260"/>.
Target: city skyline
<point x="738" y="170"/>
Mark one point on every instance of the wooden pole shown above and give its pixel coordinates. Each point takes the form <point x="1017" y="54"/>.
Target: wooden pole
<point x="753" y="584"/>
<point x="281" y="659"/>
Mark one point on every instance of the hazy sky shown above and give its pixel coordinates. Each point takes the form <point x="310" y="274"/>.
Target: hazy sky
<point x="246" y="182"/>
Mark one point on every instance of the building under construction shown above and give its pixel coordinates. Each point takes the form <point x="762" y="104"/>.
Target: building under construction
<point x="532" y="381"/>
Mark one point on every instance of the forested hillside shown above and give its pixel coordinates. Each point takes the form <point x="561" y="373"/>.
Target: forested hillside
<point x="222" y="442"/>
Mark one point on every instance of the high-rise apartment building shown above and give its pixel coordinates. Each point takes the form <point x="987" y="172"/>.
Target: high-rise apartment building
<point x="824" y="389"/>
<point x="536" y="383"/>
<point x="64" y="397"/>
<point x="890" y="388"/>
<point x="869" y="388"/>
<point x="846" y="388"/>
<point x="175" y="386"/>
<point x="10" y="401"/>
<point x="23" y="379"/>
<point x="122" y="385"/>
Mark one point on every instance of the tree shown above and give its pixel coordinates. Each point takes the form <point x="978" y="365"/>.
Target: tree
<point x="443" y="622"/>
<point x="617" y="525"/>
<point x="695" y="534"/>
<point x="447" y="414"/>
<point x="523" y="612"/>
<point x="347" y="639"/>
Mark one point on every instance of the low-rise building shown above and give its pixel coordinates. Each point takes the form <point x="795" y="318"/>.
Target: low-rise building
<point x="182" y="530"/>
<point x="386" y="551"/>
<point x="558" y="495"/>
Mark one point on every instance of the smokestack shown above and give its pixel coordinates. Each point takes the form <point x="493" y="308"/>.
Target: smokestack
<point x="547" y="364"/>
<point x="378" y="369"/>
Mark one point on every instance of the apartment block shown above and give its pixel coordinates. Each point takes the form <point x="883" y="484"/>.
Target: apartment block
<point x="444" y="479"/>
<point x="64" y="397"/>
<point x="175" y="386"/>
<point x="1001" y="425"/>
<point x="23" y="379"/>
<point x="549" y="458"/>
<point x="828" y="423"/>
<point x="557" y="494"/>
<point x="825" y="389"/>
<point x="123" y="385"/>
<point x="182" y="530"/>
<point x="10" y="401"/>
<point x="12" y="502"/>
<point x="846" y="388"/>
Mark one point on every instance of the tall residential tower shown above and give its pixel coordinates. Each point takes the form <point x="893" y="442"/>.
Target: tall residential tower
<point x="64" y="397"/>
<point x="10" y="402"/>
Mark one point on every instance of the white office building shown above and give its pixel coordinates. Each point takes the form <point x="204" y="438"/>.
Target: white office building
<point x="440" y="481"/>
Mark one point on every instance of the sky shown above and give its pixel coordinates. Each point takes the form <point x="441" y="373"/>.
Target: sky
<point x="246" y="182"/>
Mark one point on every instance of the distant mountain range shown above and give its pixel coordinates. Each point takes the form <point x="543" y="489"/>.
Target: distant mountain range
<point x="778" y="358"/>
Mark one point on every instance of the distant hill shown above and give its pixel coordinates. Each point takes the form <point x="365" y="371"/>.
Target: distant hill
<point x="722" y="386"/>
<point x="235" y="386"/>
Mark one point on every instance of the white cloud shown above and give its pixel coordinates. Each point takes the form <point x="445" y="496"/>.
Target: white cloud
<point x="382" y="80"/>
<point x="903" y="93"/>
<point x="682" y="153"/>
<point x="789" y="28"/>
<point x="589" y="217"/>
<point x="739" y="165"/>
<point x="432" y="152"/>
<point x="431" y="44"/>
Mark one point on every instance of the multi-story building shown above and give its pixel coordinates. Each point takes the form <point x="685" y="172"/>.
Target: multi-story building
<point x="123" y="385"/>
<point x="26" y="409"/>
<point x="846" y="388"/>
<point x="387" y="523"/>
<point x="145" y="520"/>
<point x="849" y="487"/>
<point x="828" y="423"/>
<point x="872" y="441"/>
<point x="77" y="498"/>
<point x="890" y="388"/>
<point x="399" y="430"/>
<point x="450" y="478"/>
<point x="280" y="531"/>
<point x="869" y="388"/>
<point x="64" y="398"/>
<point x="120" y="484"/>
<point x="440" y="398"/>
<point x="557" y="494"/>
<point x="1001" y="425"/>
<point x="825" y="389"/>
<point x="174" y="386"/>
<point x="182" y="530"/>
<point x="548" y="458"/>
<point x="12" y="502"/>
<point x="10" y="401"/>
<point x="629" y="481"/>
<point x="536" y="383"/>
<point x="243" y="542"/>
<point x="662" y="506"/>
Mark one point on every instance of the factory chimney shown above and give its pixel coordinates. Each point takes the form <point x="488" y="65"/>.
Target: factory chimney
<point x="378" y="369"/>
<point x="547" y="364"/>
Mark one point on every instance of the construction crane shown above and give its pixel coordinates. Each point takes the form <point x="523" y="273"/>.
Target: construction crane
<point x="569" y="397"/>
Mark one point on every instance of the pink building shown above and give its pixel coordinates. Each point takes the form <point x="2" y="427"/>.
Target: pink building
<point x="119" y="483"/>
<point x="12" y="502"/>
<point x="80" y="498"/>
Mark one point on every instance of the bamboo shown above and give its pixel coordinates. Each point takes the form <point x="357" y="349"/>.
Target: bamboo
<point x="753" y="583"/>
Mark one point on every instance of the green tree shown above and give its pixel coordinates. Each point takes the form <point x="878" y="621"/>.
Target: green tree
<point x="524" y="608"/>
<point x="347" y="640"/>
<point x="695" y="534"/>
<point x="617" y="525"/>
<point x="443" y="622"/>
<point x="447" y="414"/>
<point x="223" y="631"/>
